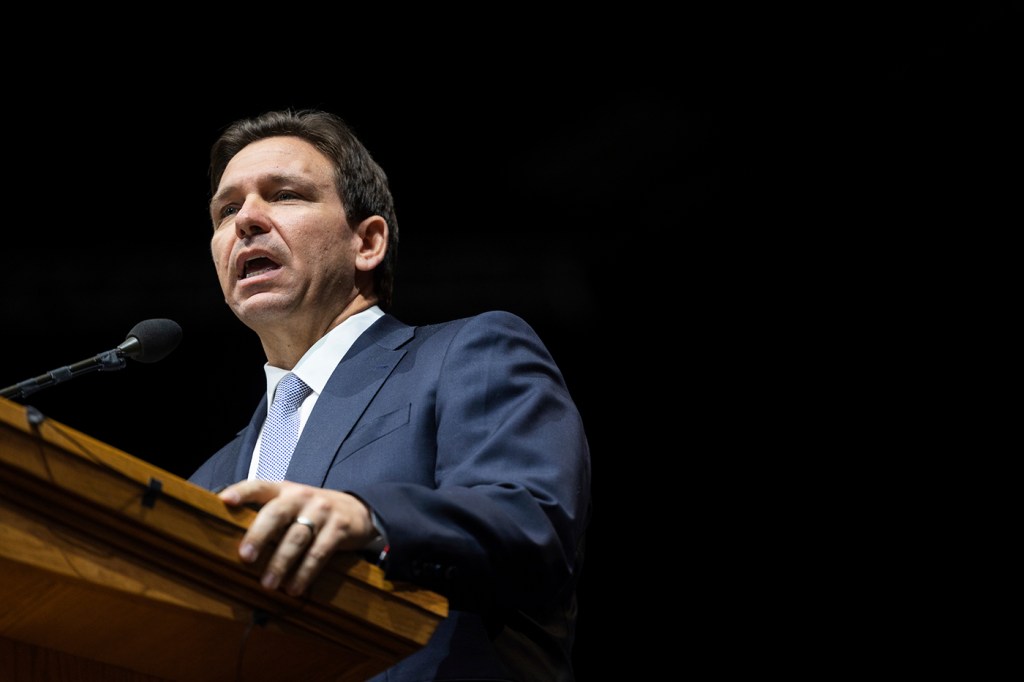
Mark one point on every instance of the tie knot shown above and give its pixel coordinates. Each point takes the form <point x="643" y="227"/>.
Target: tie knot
<point x="291" y="391"/>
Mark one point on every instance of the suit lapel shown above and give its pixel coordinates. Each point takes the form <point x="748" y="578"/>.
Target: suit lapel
<point x="247" y="441"/>
<point x="233" y="460"/>
<point x="352" y="386"/>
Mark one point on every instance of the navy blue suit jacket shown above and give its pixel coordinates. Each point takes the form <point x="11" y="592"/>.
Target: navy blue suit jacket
<point x="464" y="440"/>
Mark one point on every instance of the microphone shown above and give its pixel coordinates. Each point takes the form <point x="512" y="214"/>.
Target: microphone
<point x="148" y="341"/>
<point x="151" y="340"/>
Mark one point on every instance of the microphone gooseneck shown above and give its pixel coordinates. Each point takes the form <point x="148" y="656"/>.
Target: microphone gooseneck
<point x="148" y="341"/>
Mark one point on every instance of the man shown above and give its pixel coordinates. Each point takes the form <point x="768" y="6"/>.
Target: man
<point x="453" y="451"/>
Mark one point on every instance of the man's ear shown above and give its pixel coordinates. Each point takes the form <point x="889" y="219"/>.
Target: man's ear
<point x="373" y="242"/>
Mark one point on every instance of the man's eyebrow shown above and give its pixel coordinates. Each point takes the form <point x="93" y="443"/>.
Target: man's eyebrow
<point x="219" y="196"/>
<point x="274" y="178"/>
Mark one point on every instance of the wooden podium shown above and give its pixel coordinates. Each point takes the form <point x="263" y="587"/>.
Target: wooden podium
<point x="114" y="570"/>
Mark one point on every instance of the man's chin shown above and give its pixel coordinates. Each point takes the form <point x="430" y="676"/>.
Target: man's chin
<point x="263" y="308"/>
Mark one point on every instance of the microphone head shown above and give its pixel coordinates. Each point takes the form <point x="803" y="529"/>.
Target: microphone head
<point x="152" y="340"/>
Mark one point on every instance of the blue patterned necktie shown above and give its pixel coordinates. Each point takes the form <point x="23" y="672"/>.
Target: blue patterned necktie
<point x="281" y="431"/>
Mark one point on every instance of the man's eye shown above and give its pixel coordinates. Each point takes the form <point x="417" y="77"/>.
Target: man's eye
<point x="286" y="196"/>
<point x="228" y="211"/>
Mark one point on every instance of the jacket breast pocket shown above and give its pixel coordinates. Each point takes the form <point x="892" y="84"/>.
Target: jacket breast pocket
<point x="366" y="432"/>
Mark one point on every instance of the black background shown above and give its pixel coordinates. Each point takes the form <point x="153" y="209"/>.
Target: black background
<point x="617" y="188"/>
<point x="552" y="185"/>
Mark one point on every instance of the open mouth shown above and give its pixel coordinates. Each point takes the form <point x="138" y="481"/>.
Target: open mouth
<point x="258" y="266"/>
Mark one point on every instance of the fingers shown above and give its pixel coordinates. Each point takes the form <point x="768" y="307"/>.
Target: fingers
<point x="342" y="522"/>
<point x="294" y="543"/>
<point x="309" y="564"/>
<point x="271" y="525"/>
<point x="298" y="529"/>
<point x="250" y="492"/>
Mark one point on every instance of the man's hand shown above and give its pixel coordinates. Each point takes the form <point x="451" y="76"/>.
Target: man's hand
<point x="339" y="522"/>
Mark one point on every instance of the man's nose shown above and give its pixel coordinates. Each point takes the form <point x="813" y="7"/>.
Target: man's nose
<point x="252" y="218"/>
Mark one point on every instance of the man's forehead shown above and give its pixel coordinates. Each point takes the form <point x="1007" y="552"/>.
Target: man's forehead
<point x="278" y="152"/>
<point x="276" y="159"/>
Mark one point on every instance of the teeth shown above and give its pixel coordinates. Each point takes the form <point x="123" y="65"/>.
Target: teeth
<point x="252" y="269"/>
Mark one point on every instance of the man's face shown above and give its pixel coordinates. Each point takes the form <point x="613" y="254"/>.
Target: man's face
<point x="281" y="243"/>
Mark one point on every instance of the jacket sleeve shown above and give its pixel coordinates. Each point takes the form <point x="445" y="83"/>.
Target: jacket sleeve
<point x="505" y="520"/>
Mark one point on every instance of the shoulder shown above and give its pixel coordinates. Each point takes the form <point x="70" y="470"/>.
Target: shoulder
<point x="493" y="324"/>
<point x="491" y="319"/>
<point x="493" y="328"/>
